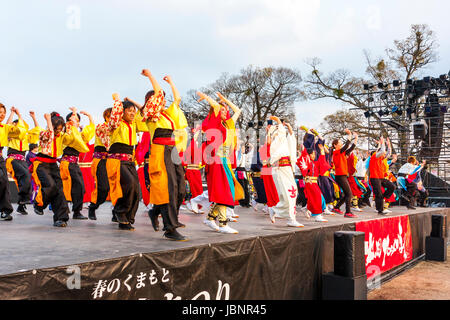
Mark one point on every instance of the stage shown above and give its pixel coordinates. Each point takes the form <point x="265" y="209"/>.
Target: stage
<point x="35" y="256"/>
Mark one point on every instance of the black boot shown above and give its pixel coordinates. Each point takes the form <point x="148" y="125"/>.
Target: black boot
<point x="78" y="216"/>
<point x="91" y="214"/>
<point x="38" y="210"/>
<point x="174" y="235"/>
<point x="22" y="209"/>
<point x="5" y="216"/>
<point x="154" y="219"/>
<point x="409" y="206"/>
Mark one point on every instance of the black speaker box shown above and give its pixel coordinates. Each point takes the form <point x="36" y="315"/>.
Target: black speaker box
<point x="349" y="260"/>
<point x="420" y="131"/>
<point x="336" y="287"/>
<point x="435" y="249"/>
<point x="438" y="226"/>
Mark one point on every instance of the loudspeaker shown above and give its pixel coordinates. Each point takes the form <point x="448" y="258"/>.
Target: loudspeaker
<point x="420" y="131"/>
<point x="336" y="287"/>
<point x="438" y="226"/>
<point x="349" y="260"/>
<point x="435" y="249"/>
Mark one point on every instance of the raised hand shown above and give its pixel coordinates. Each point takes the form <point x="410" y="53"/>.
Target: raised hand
<point x="47" y="117"/>
<point x="347" y="131"/>
<point x="32" y="114"/>
<point x="274" y="118"/>
<point x="73" y="109"/>
<point x="168" y="79"/>
<point x="146" y="73"/>
<point x="115" y="96"/>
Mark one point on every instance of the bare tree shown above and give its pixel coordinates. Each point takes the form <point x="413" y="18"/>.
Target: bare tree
<point x="259" y="92"/>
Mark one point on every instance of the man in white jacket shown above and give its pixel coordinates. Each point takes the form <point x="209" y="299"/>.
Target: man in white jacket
<point x="283" y="152"/>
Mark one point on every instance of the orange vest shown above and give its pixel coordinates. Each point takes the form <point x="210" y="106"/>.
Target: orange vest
<point x="376" y="167"/>
<point x="340" y="163"/>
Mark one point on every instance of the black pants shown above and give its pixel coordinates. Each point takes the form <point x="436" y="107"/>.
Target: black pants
<point x="389" y="188"/>
<point x="258" y="183"/>
<point x="244" y="183"/>
<point x="78" y="190"/>
<point x="5" y="198"/>
<point x="411" y="192"/>
<point x="177" y="189"/>
<point x="127" y="206"/>
<point x="23" y="177"/>
<point x="342" y="182"/>
<point x="102" y="185"/>
<point x="52" y="190"/>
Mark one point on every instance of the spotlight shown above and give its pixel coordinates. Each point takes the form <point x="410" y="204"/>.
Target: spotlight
<point x="367" y="114"/>
<point x="443" y="109"/>
<point x="409" y="110"/>
<point x="366" y="86"/>
<point x="409" y="81"/>
<point x="396" y="83"/>
<point x="383" y="96"/>
<point x="370" y="99"/>
<point x="380" y="112"/>
<point x="260" y="123"/>
<point x="380" y="85"/>
<point x="251" y="124"/>
<point x="427" y="79"/>
<point x="443" y="77"/>
<point x="397" y="110"/>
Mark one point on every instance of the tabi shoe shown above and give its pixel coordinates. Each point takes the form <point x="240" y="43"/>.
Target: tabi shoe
<point x="265" y="209"/>
<point x="328" y="212"/>
<point x="126" y="227"/>
<point x="175" y="236"/>
<point x="272" y="215"/>
<point x="230" y="219"/>
<point x="384" y="212"/>
<point x="307" y="214"/>
<point x="78" y="216"/>
<point x="211" y="224"/>
<point x="294" y="223"/>
<point x="22" y="209"/>
<point x="227" y="229"/>
<point x="60" y="224"/>
<point x="410" y="207"/>
<point x="194" y="207"/>
<point x="153" y="219"/>
<point x="5" y="216"/>
<point x="320" y="218"/>
<point x="38" y="211"/>
<point x="350" y="215"/>
<point x="91" y="214"/>
<point x="358" y="209"/>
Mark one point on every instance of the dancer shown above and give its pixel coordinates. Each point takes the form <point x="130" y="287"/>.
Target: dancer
<point x="7" y="131"/>
<point x="167" y="184"/>
<point x="120" y="165"/>
<point x="407" y="175"/>
<point x="258" y="183"/>
<point x="242" y="153"/>
<point x="341" y="171"/>
<point x="223" y="188"/>
<point x="192" y="160"/>
<point x="310" y="168"/>
<point x="46" y="173"/>
<point x="356" y="187"/>
<point x="270" y="188"/>
<point x="16" y="163"/>
<point x="362" y="179"/>
<point x="282" y="158"/>
<point x="324" y="181"/>
<point x="71" y="175"/>
<point x="98" y="168"/>
<point x="377" y="172"/>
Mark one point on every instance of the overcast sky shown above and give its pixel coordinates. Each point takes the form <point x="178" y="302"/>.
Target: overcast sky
<point x="57" y="54"/>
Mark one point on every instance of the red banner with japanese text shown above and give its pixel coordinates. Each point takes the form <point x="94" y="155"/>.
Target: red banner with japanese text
<point x="387" y="243"/>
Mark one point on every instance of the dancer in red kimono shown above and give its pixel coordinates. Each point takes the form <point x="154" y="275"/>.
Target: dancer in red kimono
<point x="223" y="188"/>
<point x="142" y="155"/>
<point x="192" y="161"/>
<point x="310" y="169"/>
<point x="266" y="172"/>
<point x="85" y="163"/>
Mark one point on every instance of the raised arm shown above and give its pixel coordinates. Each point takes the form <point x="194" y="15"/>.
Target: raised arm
<point x="11" y="115"/>
<point x="33" y="116"/>
<point x="48" y="119"/>
<point x="213" y="103"/>
<point x="116" y="113"/>
<point x="155" y="84"/>
<point x="176" y="94"/>
<point x="236" y="110"/>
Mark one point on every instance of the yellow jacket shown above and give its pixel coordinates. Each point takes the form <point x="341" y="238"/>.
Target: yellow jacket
<point x="8" y="131"/>
<point x="25" y="137"/>
<point x="78" y="140"/>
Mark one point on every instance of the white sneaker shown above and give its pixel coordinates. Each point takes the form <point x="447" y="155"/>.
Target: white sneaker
<point x="227" y="229"/>
<point x="272" y="215"/>
<point x="328" y="212"/>
<point x="231" y="219"/>
<point x="358" y="209"/>
<point x="294" y="223"/>
<point x="211" y="224"/>
<point x="230" y="213"/>
<point x="385" y="211"/>
<point x="320" y="218"/>
<point x="265" y="210"/>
